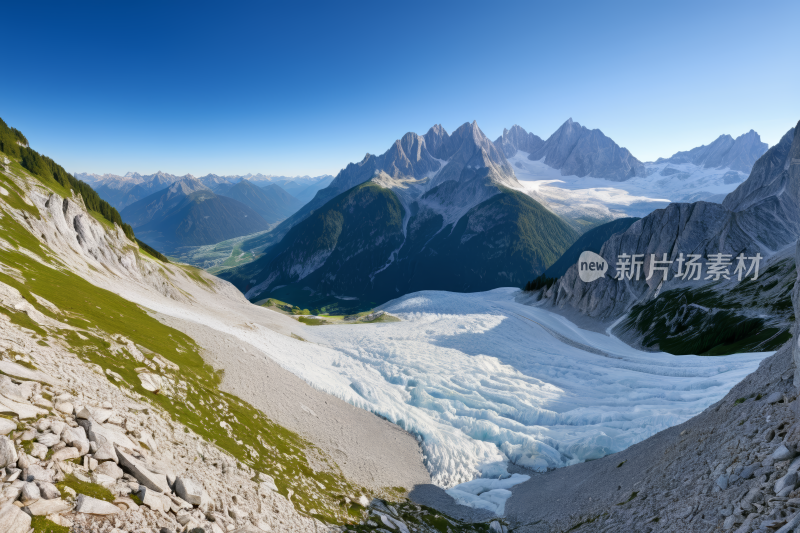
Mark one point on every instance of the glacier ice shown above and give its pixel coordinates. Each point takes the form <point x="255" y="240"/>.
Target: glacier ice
<point x="484" y="381"/>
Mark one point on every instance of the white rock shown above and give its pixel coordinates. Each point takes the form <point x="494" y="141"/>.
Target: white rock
<point x="189" y="490"/>
<point x="65" y="407"/>
<point x="152" y="499"/>
<point x="13" y="520"/>
<point x="127" y="502"/>
<point x="65" y="454"/>
<point x="43" y="424"/>
<point x="30" y="492"/>
<point x="39" y="450"/>
<point x="89" y="505"/>
<point x="109" y="469"/>
<point x="102" y="434"/>
<point x="363" y="501"/>
<point x="22" y="410"/>
<point x="8" y="452"/>
<point x="101" y="479"/>
<point x="39" y="473"/>
<point x="57" y="427"/>
<point x="143" y="475"/>
<point x="106" y="452"/>
<point x="151" y="382"/>
<point x="19" y="371"/>
<point x="6" y="426"/>
<point x="267" y="482"/>
<point x="48" y="439"/>
<point x="48" y="507"/>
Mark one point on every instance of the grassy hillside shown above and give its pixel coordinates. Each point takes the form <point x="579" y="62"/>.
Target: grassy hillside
<point x="351" y="254"/>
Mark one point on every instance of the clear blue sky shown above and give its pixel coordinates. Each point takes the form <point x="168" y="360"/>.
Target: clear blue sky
<point x="237" y="87"/>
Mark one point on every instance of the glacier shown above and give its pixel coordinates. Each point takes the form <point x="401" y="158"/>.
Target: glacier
<point x="485" y="382"/>
<point x="576" y="197"/>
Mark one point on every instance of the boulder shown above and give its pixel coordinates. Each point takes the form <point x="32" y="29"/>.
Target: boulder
<point x="8" y="452"/>
<point x="13" y="519"/>
<point x="151" y="499"/>
<point x="19" y="371"/>
<point x="189" y="490"/>
<point x="143" y="475"/>
<point x="106" y="452"/>
<point x="787" y="481"/>
<point x="109" y="469"/>
<point x="65" y="407"/>
<point x="782" y="453"/>
<point x="39" y="450"/>
<point x="47" y="507"/>
<point x="57" y="427"/>
<point x="39" y="473"/>
<point x="89" y="505"/>
<point x="6" y="426"/>
<point x="30" y="492"/>
<point x="267" y="482"/>
<point x="48" y="490"/>
<point x="102" y="434"/>
<point x="76" y="437"/>
<point x="65" y="454"/>
<point x="48" y="439"/>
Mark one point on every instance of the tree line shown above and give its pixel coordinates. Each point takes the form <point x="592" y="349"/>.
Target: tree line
<point x="47" y="169"/>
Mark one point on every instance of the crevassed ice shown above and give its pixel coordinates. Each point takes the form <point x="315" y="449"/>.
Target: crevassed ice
<point x="484" y="381"/>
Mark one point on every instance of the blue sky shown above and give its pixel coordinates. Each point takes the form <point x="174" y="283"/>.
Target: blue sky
<point x="238" y="87"/>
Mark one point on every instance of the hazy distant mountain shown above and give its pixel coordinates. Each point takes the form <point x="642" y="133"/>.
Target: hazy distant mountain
<point x="725" y="152"/>
<point x="271" y="202"/>
<point x="303" y="188"/>
<point x="121" y="191"/>
<point x="189" y="214"/>
<point x="410" y="220"/>
<point x="579" y="151"/>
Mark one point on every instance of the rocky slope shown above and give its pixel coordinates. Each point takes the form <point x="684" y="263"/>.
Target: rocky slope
<point x="725" y="152"/>
<point x="762" y="216"/>
<point x="115" y="422"/>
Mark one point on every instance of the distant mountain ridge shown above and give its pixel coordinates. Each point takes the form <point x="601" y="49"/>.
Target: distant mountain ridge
<point x="270" y="201"/>
<point x="188" y="213"/>
<point x="725" y="152"/>
<point x="435" y="211"/>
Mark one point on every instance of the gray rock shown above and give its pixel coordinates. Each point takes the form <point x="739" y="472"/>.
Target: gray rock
<point x="48" y="490"/>
<point x="775" y="397"/>
<point x="88" y="505"/>
<point x="789" y="480"/>
<point x="76" y="437"/>
<point x="8" y="452"/>
<point x="152" y="499"/>
<point x="722" y="481"/>
<point x="748" y="471"/>
<point x="189" y="490"/>
<point x="13" y="520"/>
<point x="782" y="453"/>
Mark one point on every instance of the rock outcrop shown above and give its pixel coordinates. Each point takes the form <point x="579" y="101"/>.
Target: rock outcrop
<point x="761" y="216"/>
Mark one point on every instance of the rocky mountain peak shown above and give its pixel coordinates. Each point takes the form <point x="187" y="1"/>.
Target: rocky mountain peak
<point x="725" y="152"/>
<point x="517" y="138"/>
<point x="579" y="151"/>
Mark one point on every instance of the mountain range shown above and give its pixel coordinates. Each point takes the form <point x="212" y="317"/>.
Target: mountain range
<point x="188" y="213"/>
<point x="270" y="201"/>
<point x="121" y="191"/>
<point x="437" y="211"/>
<point x="725" y="152"/>
<point x="761" y="216"/>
